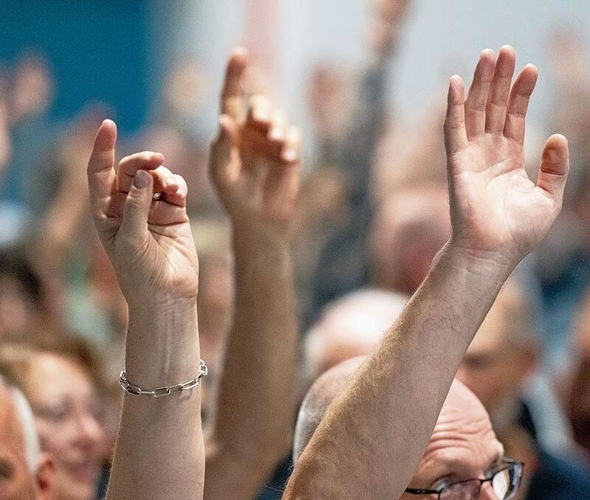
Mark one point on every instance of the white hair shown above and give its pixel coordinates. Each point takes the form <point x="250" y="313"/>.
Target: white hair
<point x="27" y="422"/>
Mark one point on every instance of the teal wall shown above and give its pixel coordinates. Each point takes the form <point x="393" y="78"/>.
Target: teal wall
<point x="98" y="50"/>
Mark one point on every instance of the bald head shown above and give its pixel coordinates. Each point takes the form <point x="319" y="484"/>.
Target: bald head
<point x="462" y="446"/>
<point x="317" y="399"/>
<point x="31" y="474"/>
<point x="351" y="326"/>
<point x="462" y="443"/>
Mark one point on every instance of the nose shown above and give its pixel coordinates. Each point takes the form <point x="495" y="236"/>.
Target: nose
<point x="89" y="430"/>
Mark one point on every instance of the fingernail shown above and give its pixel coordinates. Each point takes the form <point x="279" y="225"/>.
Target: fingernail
<point x="141" y="179"/>
<point x="261" y="115"/>
<point x="290" y="155"/>
<point x="276" y="133"/>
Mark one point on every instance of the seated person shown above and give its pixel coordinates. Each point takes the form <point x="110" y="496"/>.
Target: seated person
<point x="463" y="455"/>
<point x="349" y="326"/>
<point x="28" y="473"/>
<point x="409" y="228"/>
<point x="62" y="383"/>
<point x="578" y="379"/>
<point x="498" y="215"/>
<point x="498" y="365"/>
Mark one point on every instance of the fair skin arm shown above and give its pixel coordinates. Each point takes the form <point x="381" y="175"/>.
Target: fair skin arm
<point x="498" y="216"/>
<point x="255" y="168"/>
<point x="159" y="451"/>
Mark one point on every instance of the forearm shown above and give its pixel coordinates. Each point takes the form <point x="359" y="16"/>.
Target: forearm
<point x="255" y="411"/>
<point x="160" y="440"/>
<point x="381" y="423"/>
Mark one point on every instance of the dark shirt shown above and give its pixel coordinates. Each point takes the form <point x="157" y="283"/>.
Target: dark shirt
<point x="558" y="479"/>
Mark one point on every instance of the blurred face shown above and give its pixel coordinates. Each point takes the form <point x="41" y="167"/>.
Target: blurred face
<point x="66" y="413"/>
<point x="493" y="367"/>
<point x="463" y="446"/>
<point x="16" y="481"/>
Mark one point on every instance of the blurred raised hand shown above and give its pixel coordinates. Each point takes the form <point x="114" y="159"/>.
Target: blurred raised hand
<point x="386" y="23"/>
<point x="255" y="167"/>
<point x="255" y="159"/>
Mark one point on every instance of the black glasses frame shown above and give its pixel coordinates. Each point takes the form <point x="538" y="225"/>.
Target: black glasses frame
<point x="507" y="463"/>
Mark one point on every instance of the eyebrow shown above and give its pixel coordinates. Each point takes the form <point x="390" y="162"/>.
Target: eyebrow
<point x="452" y="476"/>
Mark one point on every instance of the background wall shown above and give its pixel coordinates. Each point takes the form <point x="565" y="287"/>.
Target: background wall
<point x="97" y="49"/>
<point x="118" y="51"/>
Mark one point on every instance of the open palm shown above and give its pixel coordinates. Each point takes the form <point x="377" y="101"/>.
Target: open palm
<point x="498" y="212"/>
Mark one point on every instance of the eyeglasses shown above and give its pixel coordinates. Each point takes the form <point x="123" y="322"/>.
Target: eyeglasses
<point x="504" y="480"/>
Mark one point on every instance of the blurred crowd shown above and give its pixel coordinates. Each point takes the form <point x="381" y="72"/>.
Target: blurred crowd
<point x="372" y="214"/>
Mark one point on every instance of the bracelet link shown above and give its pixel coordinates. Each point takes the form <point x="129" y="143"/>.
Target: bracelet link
<point x="162" y="391"/>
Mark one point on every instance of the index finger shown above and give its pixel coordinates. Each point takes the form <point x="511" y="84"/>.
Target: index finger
<point x="101" y="174"/>
<point x="231" y="94"/>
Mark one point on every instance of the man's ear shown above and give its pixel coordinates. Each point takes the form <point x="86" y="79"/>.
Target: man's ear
<point x="45" y="478"/>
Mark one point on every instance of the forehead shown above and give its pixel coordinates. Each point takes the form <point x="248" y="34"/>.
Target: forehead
<point x="491" y="334"/>
<point x="52" y="376"/>
<point x="463" y="445"/>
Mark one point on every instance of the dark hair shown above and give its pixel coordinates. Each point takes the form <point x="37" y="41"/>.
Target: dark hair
<point x="17" y="356"/>
<point x="15" y="263"/>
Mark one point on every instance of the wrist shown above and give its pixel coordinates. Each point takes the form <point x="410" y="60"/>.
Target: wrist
<point x="264" y="242"/>
<point x="162" y="344"/>
<point x="162" y="306"/>
<point x="483" y="264"/>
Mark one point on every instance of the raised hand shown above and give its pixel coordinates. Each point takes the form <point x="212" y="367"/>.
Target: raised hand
<point x="498" y="213"/>
<point x="255" y="168"/>
<point x="139" y="211"/>
<point x="148" y="241"/>
<point x="386" y="23"/>
<point x="255" y="158"/>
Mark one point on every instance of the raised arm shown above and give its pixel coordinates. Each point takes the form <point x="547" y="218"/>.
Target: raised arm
<point x="159" y="451"/>
<point x="255" y="168"/>
<point x="380" y="425"/>
<point x="370" y="102"/>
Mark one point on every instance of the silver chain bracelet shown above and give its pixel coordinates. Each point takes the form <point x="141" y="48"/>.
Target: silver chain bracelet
<point x="162" y="391"/>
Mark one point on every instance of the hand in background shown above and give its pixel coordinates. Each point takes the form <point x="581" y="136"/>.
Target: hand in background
<point x="255" y="159"/>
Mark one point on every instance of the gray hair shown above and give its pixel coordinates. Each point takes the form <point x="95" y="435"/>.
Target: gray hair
<point x="317" y="400"/>
<point x="27" y="422"/>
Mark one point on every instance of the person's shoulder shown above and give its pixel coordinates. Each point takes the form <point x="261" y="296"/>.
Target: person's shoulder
<point x="558" y="478"/>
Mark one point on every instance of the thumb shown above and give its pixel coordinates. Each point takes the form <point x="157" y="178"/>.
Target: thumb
<point x="137" y="205"/>
<point x="554" y="166"/>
